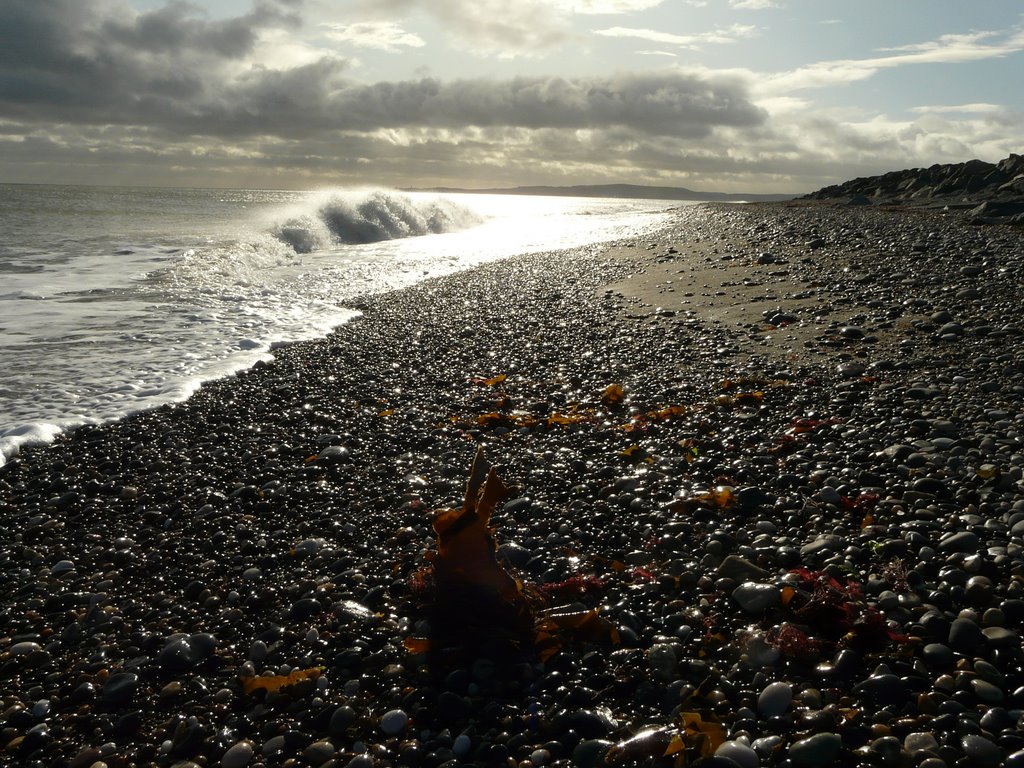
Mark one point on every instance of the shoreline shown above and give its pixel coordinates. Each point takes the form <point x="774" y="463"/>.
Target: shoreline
<point x="272" y="522"/>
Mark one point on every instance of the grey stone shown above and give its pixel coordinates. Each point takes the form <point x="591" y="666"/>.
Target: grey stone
<point x="774" y="699"/>
<point x="238" y="755"/>
<point x="965" y="636"/>
<point x="756" y="598"/>
<point x="961" y="541"/>
<point x="816" y="751"/>
<point x="981" y="752"/>
<point x="736" y="567"/>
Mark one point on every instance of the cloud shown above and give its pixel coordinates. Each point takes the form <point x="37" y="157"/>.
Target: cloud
<point x="978" y="108"/>
<point x="488" y="27"/>
<point x="382" y="35"/>
<point x="608" y="7"/>
<point x="103" y="60"/>
<point x="716" y="37"/>
<point x="155" y="79"/>
<point x="75" y="101"/>
<point x="98" y="90"/>
<point x="796" y="152"/>
<point x="753" y="5"/>
<point x="948" y="49"/>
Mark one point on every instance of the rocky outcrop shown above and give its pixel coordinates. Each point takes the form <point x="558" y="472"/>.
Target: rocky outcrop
<point x="993" y="192"/>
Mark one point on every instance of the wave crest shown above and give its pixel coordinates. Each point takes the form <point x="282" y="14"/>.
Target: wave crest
<point x="358" y="217"/>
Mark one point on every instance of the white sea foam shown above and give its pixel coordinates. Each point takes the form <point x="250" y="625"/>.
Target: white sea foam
<point x="353" y="217"/>
<point x="115" y="301"/>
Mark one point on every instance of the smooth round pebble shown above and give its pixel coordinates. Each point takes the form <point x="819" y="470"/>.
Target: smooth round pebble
<point x="238" y="755"/>
<point x="816" y="751"/>
<point x="739" y="753"/>
<point x="393" y="722"/>
<point x="774" y="699"/>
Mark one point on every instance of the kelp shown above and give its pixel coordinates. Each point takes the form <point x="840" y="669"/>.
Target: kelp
<point x="574" y="586"/>
<point x="719" y="497"/>
<point x="476" y="605"/>
<point x="475" y="600"/>
<point x="828" y="611"/>
<point x="697" y="736"/>
<point x="276" y="683"/>
<point x="613" y="395"/>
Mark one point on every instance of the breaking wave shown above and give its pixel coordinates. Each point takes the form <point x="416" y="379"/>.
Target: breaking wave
<point x="369" y="216"/>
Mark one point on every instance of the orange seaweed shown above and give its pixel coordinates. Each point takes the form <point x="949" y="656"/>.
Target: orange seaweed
<point x="251" y="684"/>
<point x="475" y="599"/>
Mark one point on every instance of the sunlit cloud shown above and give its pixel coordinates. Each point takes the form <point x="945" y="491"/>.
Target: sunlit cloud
<point x="601" y="7"/>
<point x="382" y="35"/>
<point x="979" y="108"/>
<point x="948" y="49"/>
<point x="489" y="27"/>
<point x="717" y="37"/>
<point x="753" y="5"/>
<point x="176" y="94"/>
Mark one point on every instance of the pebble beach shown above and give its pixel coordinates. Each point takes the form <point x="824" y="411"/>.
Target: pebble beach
<point x="800" y="520"/>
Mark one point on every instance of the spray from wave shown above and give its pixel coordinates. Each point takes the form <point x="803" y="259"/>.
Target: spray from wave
<point x="369" y="216"/>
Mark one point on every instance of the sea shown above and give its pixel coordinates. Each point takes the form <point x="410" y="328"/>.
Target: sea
<point x="119" y="299"/>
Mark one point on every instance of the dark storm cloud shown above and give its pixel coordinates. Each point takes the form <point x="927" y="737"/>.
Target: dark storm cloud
<point x="96" y="63"/>
<point x="179" y="72"/>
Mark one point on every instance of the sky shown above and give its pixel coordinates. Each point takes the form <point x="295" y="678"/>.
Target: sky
<point x="771" y="96"/>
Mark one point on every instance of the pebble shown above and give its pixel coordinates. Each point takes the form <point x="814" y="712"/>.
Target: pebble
<point x="393" y="722"/>
<point x="238" y="755"/>
<point x="24" y="648"/>
<point x="319" y="752"/>
<point x="739" y="753"/>
<point x="821" y="749"/>
<point x="981" y="751"/>
<point x="182" y="653"/>
<point x="965" y="636"/>
<point x="756" y="598"/>
<point x="920" y="741"/>
<point x="120" y="689"/>
<point x="462" y="745"/>
<point x="774" y="699"/>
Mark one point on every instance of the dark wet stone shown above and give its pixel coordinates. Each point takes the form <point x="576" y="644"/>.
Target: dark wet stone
<point x="961" y="541"/>
<point x="965" y="636"/>
<point x="932" y="486"/>
<point x="756" y="598"/>
<point x="1000" y="637"/>
<point x="817" y="751"/>
<point x="341" y="719"/>
<point x="452" y="708"/>
<point x="981" y="751"/>
<point x="882" y="690"/>
<point x="182" y="653"/>
<point x="120" y="689"/>
<point x="986" y="691"/>
<point x="938" y="655"/>
<point x="741" y="569"/>
<point x="591" y="724"/>
<point x="590" y="753"/>
<point x="306" y="608"/>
